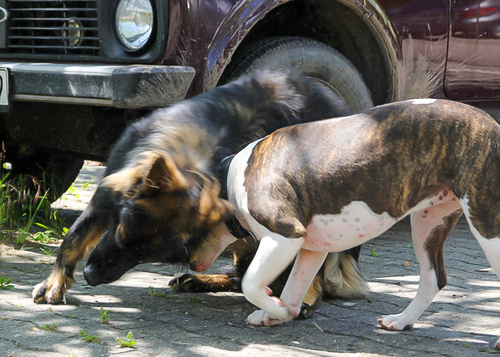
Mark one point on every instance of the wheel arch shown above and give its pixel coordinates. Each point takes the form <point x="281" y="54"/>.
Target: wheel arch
<point x="358" y="29"/>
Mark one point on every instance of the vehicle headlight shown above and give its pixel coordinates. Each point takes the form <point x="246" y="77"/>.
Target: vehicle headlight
<point x="134" y="23"/>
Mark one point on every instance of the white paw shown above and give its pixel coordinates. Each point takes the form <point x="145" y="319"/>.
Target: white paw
<point x="395" y="322"/>
<point x="262" y="318"/>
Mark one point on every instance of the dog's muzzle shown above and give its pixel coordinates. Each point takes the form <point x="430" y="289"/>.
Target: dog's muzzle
<point x="91" y="276"/>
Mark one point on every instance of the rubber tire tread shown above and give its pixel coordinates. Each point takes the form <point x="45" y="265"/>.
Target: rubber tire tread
<point x="313" y="58"/>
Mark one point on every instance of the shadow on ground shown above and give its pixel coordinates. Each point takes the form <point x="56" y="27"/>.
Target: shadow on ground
<point x="464" y="320"/>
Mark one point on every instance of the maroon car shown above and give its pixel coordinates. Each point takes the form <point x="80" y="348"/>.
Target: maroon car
<point x="74" y="73"/>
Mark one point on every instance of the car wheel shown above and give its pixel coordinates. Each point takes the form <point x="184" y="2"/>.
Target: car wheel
<point x="313" y="58"/>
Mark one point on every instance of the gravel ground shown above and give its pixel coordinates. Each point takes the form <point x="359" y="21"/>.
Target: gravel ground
<point x="464" y="320"/>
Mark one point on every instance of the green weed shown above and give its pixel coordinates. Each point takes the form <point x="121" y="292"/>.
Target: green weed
<point x="104" y="316"/>
<point x="196" y="299"/>
<point x="52" y="327"/>
<point x="152" y="292"/>
<point x="48" y="251"/>
<point x="128" y="342"/>
<point x="5" y="283"/>
<point x="7" y="210"/>
<point x="89" y="338"/>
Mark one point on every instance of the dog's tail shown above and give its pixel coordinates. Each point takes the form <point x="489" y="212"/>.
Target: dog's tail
<point x="419" y="80"/>
<point x="343" y="278"/>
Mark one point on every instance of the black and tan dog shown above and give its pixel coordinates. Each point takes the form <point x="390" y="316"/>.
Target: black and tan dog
<point x="315" y="188"/>
<point x="160" y="198"/>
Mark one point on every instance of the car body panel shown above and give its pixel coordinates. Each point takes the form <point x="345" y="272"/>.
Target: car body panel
<point x="473" y="66"/>
<point x="392" y="43"/>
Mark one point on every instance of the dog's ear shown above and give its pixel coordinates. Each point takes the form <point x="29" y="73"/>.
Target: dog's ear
<point x="163" y="175"/>
<point x="213" y="209"/>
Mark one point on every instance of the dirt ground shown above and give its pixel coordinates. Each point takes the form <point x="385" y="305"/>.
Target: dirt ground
<point x="464" y="319"/>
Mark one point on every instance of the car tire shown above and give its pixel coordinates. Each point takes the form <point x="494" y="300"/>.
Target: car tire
<point x="313" y="58"/>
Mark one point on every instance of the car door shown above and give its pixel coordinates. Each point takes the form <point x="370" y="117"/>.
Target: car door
<point x="473" y="65"/>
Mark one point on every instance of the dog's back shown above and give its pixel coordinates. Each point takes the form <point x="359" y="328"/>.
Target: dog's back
<point x="228" y="117"/>
<point x="408" y="137"/>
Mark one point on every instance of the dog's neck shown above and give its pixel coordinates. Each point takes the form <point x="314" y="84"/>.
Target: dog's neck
<point x="222" y="175"/>
<point x="233" y="224"/>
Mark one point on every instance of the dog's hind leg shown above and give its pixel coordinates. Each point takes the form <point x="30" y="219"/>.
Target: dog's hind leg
<point x="83" y="234"/>
<point x="274" y="254"/>
<point x="491" y="249"/>
<point x="430" y="228"/>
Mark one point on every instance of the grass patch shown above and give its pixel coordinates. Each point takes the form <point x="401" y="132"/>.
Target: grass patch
<point x="25" y="213"/>
<point x="196" y="299"/>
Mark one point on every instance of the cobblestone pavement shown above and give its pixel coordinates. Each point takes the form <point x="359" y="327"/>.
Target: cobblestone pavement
<point x="464" y="319"/>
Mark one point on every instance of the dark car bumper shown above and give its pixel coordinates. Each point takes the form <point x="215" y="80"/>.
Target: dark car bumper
<point x="132" y="86"/>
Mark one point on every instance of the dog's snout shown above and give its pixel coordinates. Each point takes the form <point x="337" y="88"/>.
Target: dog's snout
<point x="89" y="273"/>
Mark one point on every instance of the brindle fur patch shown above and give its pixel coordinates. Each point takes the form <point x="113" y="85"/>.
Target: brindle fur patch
<point x="434" y="246"/>
<point x="381" y="157"/>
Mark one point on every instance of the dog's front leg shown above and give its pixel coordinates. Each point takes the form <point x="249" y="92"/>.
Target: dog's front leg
<point x="83" y="234"/>
<point x="274" y="254"/>
<point x="304" y="270"/>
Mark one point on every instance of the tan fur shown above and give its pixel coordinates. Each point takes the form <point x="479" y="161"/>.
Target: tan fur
<point x="154" y="171"/>
<point x="60" y="280"/>
<point x="346" y="282"/>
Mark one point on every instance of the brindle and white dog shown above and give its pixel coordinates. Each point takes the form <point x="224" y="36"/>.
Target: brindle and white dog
<point x="315" y="188"/>
<point x="160" y="199"/>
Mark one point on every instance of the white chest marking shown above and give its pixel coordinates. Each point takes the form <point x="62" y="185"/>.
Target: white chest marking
<point x="237" y="193"/>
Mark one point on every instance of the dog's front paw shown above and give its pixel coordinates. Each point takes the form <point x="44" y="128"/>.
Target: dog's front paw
<point x="395" y="322"/>
<point x="262" y="318"/>
<point x="191" y="283"/>
<point x="50" y="291"/>
<point x="306" y="312"/>
<point x="185" y="283"/>
<point x="204" y="283"/>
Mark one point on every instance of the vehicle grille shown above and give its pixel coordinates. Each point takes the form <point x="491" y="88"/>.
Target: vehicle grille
<point x="52" y="27"/>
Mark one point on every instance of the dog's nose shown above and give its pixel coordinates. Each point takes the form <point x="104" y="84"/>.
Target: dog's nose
<point x="90" y="275"/>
